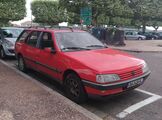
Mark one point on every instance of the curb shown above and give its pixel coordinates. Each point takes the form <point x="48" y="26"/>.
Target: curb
<point x="79" y="108"/>
<point x="137" y="51"/>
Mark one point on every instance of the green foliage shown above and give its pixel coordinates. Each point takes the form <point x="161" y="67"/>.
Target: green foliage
<point x="48" y="11"/>
<point x="120" y="12"/>
<point x="12" y="10"/>
<point x="120" y="21"/>
<point x="73" y="6"/>
<point x="73" y="9"/>
<point x="102" y="9"/>
<point x="111" y="8"/>
<point x="102" y="19"/>
<point x="145" y="11"/>
<point x="73" y="18"/>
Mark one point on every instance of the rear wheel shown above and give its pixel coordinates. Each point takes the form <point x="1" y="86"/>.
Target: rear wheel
<point x="2" y="53"/>
<point x="21" y="64"/>
<point x="74" y="88"/>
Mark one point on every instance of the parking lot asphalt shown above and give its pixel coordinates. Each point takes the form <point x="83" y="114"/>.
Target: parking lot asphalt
<point x="145" y="103"/>
<point x="141" y="46"/>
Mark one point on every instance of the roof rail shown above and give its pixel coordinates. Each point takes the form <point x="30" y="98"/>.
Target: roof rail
<point x="55" y="27"/>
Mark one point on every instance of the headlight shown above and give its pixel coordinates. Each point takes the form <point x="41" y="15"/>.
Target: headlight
<point x="145" y="68"/>
<point x="8" y="44"/>
<point x="107" y="78"/>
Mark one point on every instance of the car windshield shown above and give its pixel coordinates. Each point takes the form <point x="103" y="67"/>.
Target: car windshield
<point x="11" y="33"/>
<point x="135" y="33"/>
<point x="77" y="41"/>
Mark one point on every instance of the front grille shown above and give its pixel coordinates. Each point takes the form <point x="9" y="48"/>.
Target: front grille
<point x="11" y="51"/>
<point x="131" y="74"/>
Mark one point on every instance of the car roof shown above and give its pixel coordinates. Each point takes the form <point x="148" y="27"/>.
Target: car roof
<point x="56" y="30"/>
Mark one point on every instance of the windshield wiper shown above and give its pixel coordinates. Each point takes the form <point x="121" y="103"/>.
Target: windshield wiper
<point x="75" y="48"/>
<point x="97" y="46"/>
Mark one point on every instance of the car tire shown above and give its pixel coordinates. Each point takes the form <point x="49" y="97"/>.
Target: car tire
<point x="2" y="53"/>
<point x="21" y="64"/>
<point x="74" y="88"/>
<point x="139" y="38"/>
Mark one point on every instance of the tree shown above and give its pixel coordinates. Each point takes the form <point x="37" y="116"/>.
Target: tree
<point x="102" y="10"/>
<point x="73" y="18"/>
<point x="103" y="19"/>
<point x="119" y="21"/>
<point x="124" y="12"/>
<point x="110" y="8"/>
<point x="12" y="10"/>
<point x="48" y="12"/>
<point x="145" y="11"/>
<point x="157" y="11"/>
<point x="73" y="9"/>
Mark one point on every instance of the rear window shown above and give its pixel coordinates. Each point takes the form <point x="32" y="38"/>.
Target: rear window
<point x="23" y="36"/>
<point x="11" y="33"/>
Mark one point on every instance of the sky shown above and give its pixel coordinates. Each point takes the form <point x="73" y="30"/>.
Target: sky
<point x="28" y="7"/>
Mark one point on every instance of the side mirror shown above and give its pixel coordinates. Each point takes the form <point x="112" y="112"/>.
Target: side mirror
<point x="50" y="50"/>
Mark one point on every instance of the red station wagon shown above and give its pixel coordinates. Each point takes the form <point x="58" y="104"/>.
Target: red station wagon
<point x="80" y="62"/>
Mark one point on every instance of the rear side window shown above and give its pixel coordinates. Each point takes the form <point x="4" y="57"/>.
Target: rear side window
<point x="33" y="39"/>
<point x="129" y="33"/>
<point x="23" y="36"/>
<point x="46" y="41"/>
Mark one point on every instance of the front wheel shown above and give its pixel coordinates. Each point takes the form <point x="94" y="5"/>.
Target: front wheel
<point x="74" y="88"/>
<point x="139" y="38"/>
<point x="21" y="64"/>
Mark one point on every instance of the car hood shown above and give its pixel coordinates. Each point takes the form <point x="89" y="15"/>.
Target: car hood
<point x="105" y="60"/>
<point x="12" y="40"/>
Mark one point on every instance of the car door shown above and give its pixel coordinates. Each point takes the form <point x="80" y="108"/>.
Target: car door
<point x="135" y="36"/>
<point x="129" y="35"/>
<point x="20" y="42"/>
<point x="30" y="46"/>
<point x="46" y="59"/>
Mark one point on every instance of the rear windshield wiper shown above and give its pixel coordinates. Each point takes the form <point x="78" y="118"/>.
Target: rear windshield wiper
<point x="97" y="46"/>
<point x="75" y="48"/>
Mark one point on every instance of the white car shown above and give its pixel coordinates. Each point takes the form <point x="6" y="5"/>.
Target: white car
<point x="133" y="35"/>
<point x="8" y="36"/>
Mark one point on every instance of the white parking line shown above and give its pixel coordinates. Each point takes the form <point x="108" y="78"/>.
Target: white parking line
<point x="146" y="92"/>
<point x="139" y="105"/>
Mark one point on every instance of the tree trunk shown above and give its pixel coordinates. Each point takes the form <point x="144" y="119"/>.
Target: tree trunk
<point x="143" y="26"/>
<point x="156" y="28"/>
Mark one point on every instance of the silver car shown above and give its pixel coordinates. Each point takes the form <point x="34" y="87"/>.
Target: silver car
<point x="8" y="36"/>
<point x="133" y="35"/>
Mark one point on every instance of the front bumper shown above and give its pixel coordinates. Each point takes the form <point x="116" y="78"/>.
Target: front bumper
<point x="9" y="51"/>
<point x="114" y="88"/>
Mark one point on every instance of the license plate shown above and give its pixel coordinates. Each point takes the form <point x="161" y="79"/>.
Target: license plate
<point x="135" y="83"/>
